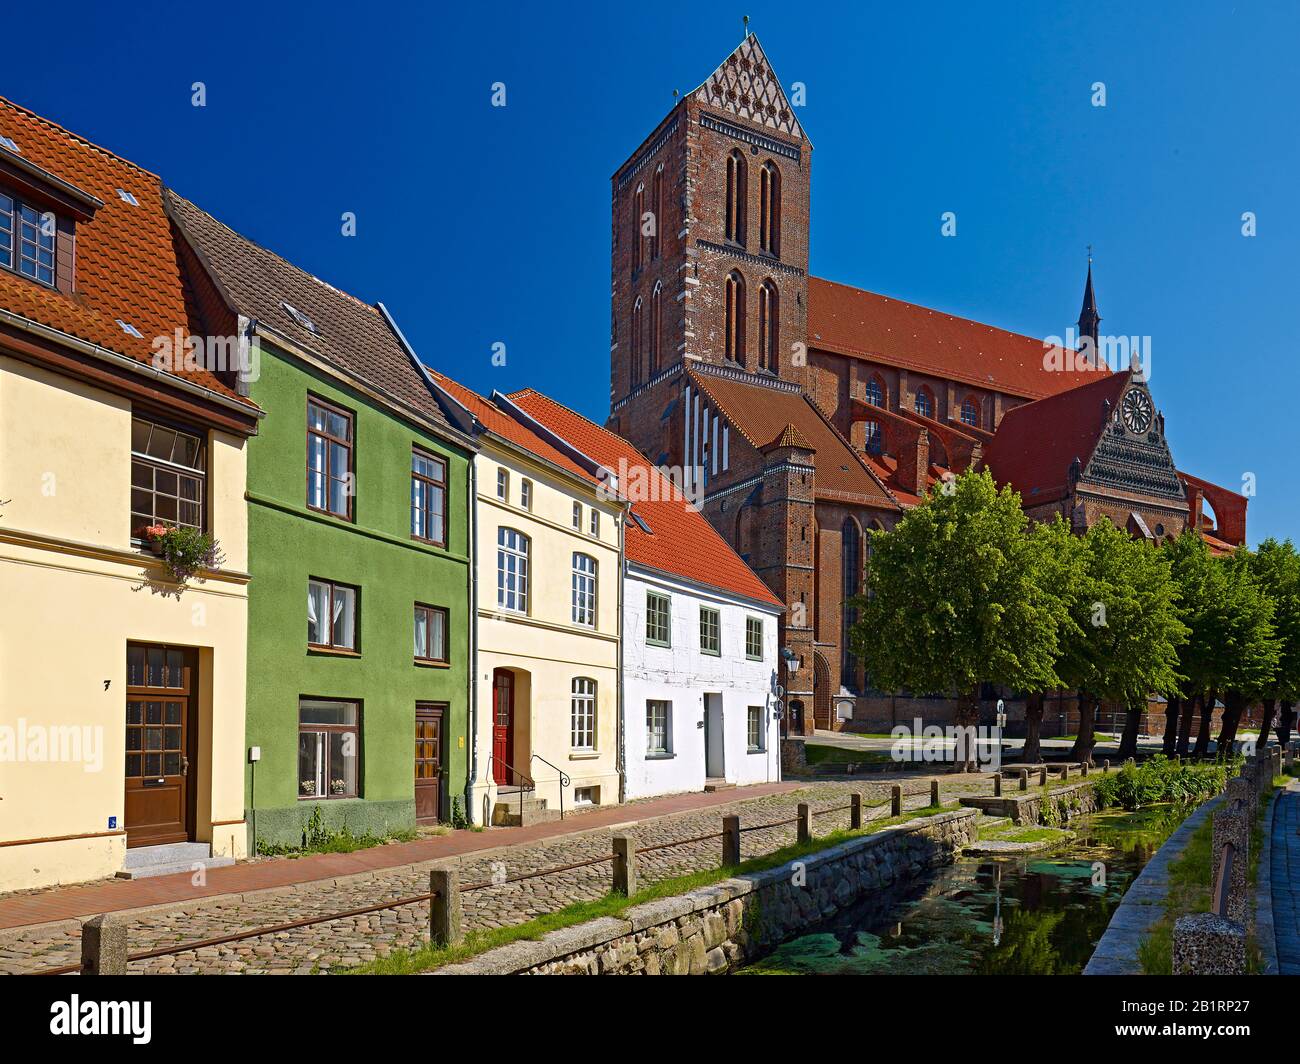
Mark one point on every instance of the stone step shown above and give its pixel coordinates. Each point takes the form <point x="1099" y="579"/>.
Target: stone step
<point x="171" y="868"/>
<point x="168" y="853"/>
<point x="711" y="786"/>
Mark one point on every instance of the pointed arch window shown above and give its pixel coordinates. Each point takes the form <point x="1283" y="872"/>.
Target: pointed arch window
<point x="769" y="213"/>
<point x="925" y="402"/>
<point x="851" y="571"/>
<point x="970" y="411"/>
<point x="737" y="191"/>
<point x="636" y="341"/>
<point x="874" y="443"/>
<point x="656" y="328"/>
<point x="734" y="341"/>
<point x="875" y="392"/>
<point x="656" y="209"/>
<point x="769" y="327"/>
<point x="638" y="241"/>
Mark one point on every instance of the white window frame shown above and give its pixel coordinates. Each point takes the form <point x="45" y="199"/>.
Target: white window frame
<point x="583" y="600"/>
<point x="512" y="587"/>
<point x="582" y="715"/>
<point x="503" y="484"/>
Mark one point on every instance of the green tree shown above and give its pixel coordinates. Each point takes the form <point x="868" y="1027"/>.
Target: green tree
<point x="1248" y="648"/>
<point x="1200" y="587"/>
<point x="1126" y="603"/>
<point x="955" y="601"/>
<point x="1277" y="568"/>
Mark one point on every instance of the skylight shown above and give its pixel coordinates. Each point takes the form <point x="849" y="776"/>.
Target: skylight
<point x="130" y="329"/>
<point x="299" y="317"/>
<point x="127" y="197"/>
<point x="640" y="523"/>
<point x="6" y="142"/>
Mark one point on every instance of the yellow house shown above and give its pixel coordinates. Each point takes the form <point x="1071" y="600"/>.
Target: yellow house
<point x="121" y="681"/>
<point x="548" y="557"/>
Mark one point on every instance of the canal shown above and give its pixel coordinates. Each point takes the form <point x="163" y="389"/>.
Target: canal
<point x="1034" y="915"/>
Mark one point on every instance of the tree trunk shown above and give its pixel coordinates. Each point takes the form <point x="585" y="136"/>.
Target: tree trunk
<point x="1266" y="720"/>
<point x="1203" y="732"/>
<point x="1128" y="743"/>
<point x="1234" y="703"/>
<point x="1083" y="744"/>
<point x="1185" y="726"/>
<point x="966" y="721"/>
<point x="1171" y="725"/>
<point x="1033" y="751"/>
<point x="1285" y="722"/>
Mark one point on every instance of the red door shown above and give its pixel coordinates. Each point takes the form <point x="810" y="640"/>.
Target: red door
<point x="503" y="723"/>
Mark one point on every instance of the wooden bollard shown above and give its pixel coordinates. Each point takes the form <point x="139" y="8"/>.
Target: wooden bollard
<point x="805" y="822"/>
<point x="855" y="811"/>
<point x="896" y="800"/>
<point x="997" y="785"/>
<point x="1065" y="773"/>
<point x="1105" y="766"/>
<point x="1083" y="769"/>
<point x="445" y="922"/>
<point x="103" y="945"/>
<point x="1024" y="779"/>
<point x="934" y="793"/>
<point x="1042" y="776"/>
<point x="730" y="840"/>
<point x="624" y="865"/>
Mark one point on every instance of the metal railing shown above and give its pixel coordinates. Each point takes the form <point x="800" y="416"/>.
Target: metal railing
<point x="564" y="778"/>
<point x="529" y="783"/>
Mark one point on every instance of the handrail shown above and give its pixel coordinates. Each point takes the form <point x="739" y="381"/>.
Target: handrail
<point x="564" y="778"/>
<point x="531" y="783"/>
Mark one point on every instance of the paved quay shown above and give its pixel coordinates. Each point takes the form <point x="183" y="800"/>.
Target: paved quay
<point x="1284" y="875"/>
<point x="278" y="891"/>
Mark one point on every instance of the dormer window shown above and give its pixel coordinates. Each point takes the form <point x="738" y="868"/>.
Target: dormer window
<point x="27" y="240"/>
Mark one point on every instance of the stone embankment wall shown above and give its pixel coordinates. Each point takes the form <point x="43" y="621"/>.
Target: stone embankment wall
<point x="729" y="923"/>
<point x="1032" y="807"/>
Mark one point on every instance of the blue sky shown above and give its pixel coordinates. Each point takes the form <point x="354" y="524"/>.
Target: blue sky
<point x="479" y="225"/>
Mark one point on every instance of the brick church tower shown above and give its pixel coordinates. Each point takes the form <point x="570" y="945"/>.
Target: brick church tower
<point x="710" y="248"/>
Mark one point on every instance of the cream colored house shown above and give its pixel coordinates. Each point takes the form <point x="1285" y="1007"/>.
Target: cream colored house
<point x="548" y="554"/>
<point x="121" y="690"/>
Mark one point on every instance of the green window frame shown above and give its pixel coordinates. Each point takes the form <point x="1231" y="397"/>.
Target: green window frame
<point x="754" y="638"/>
<point x="710" y="631"/>
<point x="658" y="619"/>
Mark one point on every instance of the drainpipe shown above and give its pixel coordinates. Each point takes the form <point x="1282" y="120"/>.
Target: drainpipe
<point x="619" y="685"/>
<point x="473" y="639"/>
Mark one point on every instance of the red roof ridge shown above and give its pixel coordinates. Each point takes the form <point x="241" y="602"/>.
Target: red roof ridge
<point x="84" y="141"/>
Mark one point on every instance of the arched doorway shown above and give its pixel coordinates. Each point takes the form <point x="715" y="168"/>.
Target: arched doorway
<point x="821" y="692"/>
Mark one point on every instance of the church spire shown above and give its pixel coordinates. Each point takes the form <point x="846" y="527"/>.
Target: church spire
<point x="1089" y="319"/>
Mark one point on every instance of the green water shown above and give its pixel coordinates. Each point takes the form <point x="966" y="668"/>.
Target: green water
<point x="1039" y="915"/>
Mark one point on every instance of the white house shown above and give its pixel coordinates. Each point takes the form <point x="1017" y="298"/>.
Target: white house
<point x="699" y="646"/>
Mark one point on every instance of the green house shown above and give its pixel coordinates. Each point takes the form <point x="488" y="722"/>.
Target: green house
<point x="358" y="525"/>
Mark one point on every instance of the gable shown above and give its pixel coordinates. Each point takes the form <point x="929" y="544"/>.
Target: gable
<point x="746" y="86"/>
<point x="1132" y="453"/>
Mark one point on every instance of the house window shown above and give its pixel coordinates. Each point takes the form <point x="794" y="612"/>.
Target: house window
<point x="875" y="392"/>
<point x="329" y="745"/>
<point x="526" y="494"/>
<point x="329" y="459"/>
<point x="658" y="627"/>
<point x="754" y="638"/>
<point x="595" y="522"/>
<point x="584" y="590"/>
<point x="512" y="570"/>
<point x="577" y="515"/>
<point x="27" y="240"/>
<point x="769" y="214"/>
<point x="503" y="485"/>
<point x="710" y="641"/>
<point x="734" y="338"/>
<point x="586" y="796"/>
<point x="583" y="714"/>
<point x="331" y="615"/>
<point x="925" y="403"/>
<point x="168" y="477"/>
<point x="754" y="729"/>
<point x="658" y="727"/>
<point x="430" y="634"/>
<point x="970" y="412"/>
<point x="428" y="498"/>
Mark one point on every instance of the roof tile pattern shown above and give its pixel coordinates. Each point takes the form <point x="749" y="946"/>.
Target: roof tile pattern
<point x="746" y="85"/>
<point x="681" y="542"/>
<point x="349" y="334"/>
<point x="126" y="261"/>
<point x="873" y="327"/>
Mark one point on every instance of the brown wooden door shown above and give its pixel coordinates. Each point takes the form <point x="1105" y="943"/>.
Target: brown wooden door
<point x="161" y="733"/>
<point x="503" y="723"/>
<point x="428" y="762"/>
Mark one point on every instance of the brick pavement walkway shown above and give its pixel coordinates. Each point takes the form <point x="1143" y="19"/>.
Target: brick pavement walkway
<point x="1284" y="875"/>
<point x="348" y="942"/>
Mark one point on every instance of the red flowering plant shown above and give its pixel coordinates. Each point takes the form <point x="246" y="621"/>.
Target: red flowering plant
<point x="184" y="551"/>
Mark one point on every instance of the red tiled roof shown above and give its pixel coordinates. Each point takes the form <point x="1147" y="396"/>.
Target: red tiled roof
<point x="126" y="260"/>
<point x="1035" y="444"/>
<point x="502" y="424"/>
<point x="681" y="541"/>
<point x="762" y="414"/>
<point x="873" y="327"/>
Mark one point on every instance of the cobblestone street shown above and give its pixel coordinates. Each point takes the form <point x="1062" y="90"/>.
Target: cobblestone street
<point x="349" y="942"/>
